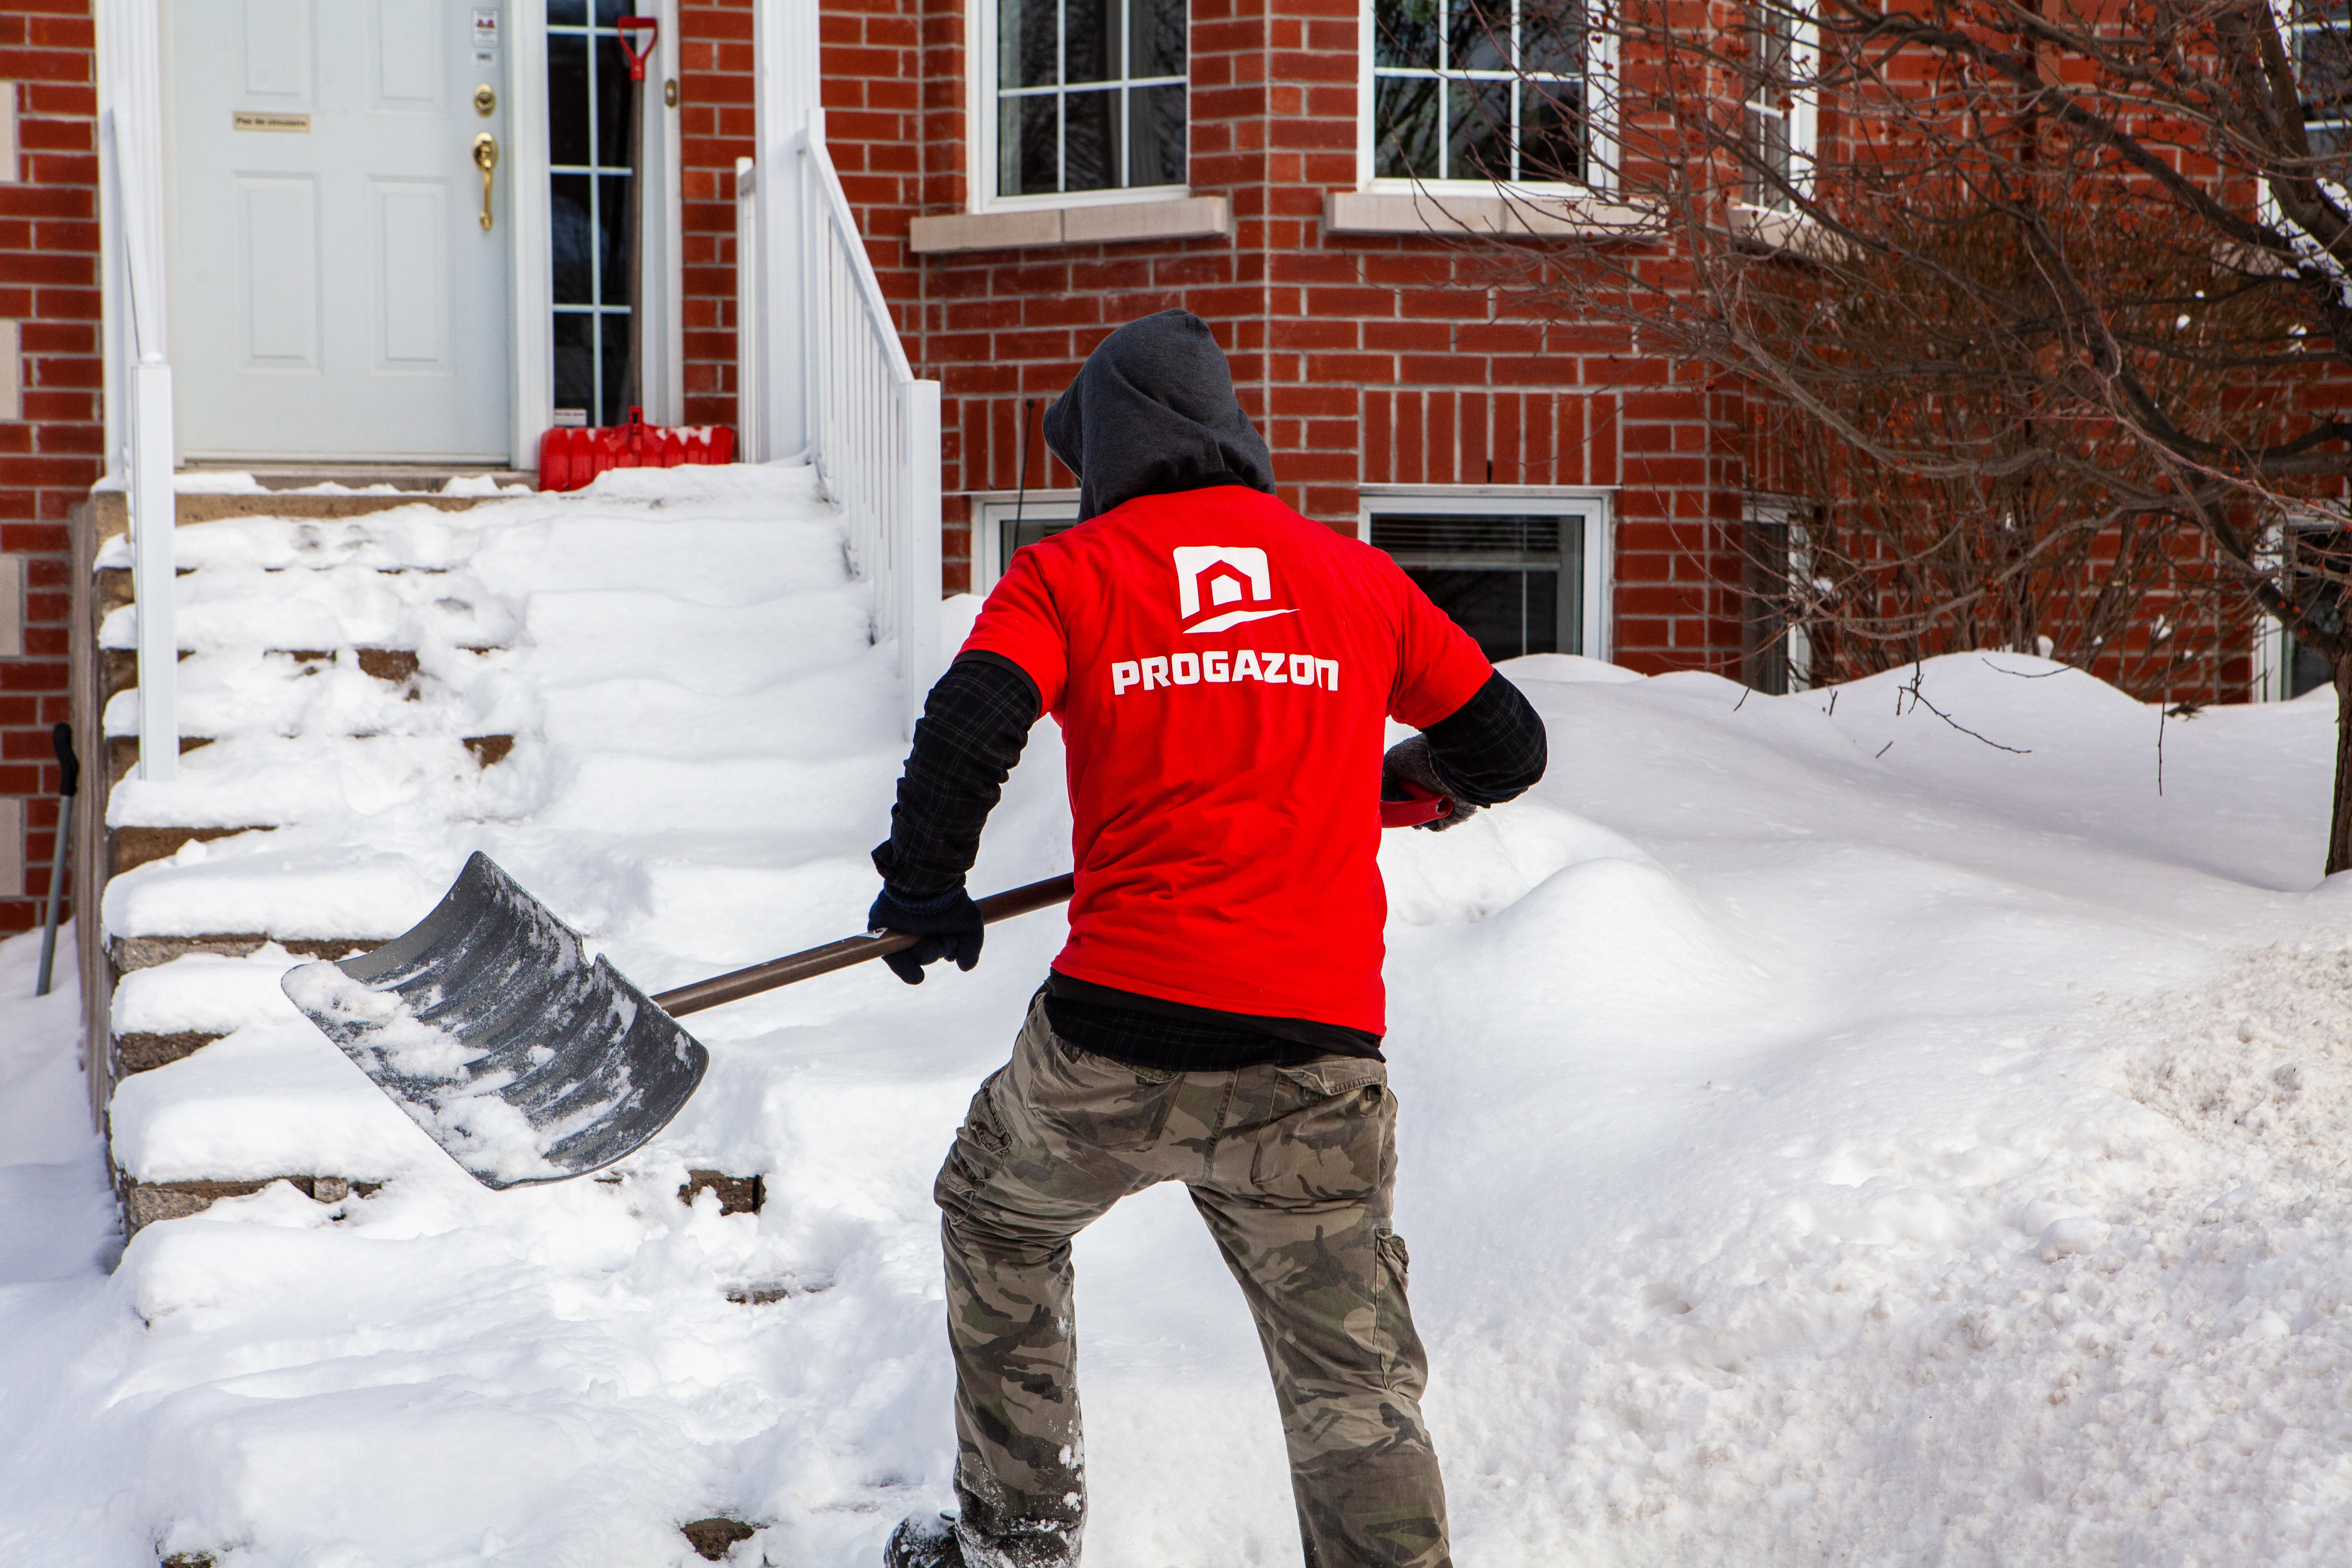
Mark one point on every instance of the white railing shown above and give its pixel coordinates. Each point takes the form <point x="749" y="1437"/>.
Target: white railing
<point x="873" y="430"/>
<point x="144" y="374"/>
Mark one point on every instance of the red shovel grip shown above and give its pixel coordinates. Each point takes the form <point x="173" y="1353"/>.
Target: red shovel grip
<point x="1413" y="812"/>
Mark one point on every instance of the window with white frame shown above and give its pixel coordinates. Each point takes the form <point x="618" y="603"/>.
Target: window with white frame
<point x="1779" y="113"/>
<point x="1084" y="96"/>
<point x="2319" y="37"/>
<point x="1483" y="91"/>
<point x="1002" y="524"/>
<point x="1522" y="572"/>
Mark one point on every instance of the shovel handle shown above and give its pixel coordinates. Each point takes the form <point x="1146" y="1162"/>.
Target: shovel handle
<point x="849" y="950"/>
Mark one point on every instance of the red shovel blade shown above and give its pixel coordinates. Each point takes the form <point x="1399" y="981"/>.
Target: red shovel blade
<point x="1413" y="812"/>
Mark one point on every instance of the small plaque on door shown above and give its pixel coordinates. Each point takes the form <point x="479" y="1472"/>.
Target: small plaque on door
<point x="244" y="120"/>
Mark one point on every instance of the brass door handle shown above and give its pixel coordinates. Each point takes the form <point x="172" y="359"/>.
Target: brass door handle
<point x="486" y="158"/>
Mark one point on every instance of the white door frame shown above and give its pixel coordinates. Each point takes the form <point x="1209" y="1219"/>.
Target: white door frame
<point x="131" y="81"/>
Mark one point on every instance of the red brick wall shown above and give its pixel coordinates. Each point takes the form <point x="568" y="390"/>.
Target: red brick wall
<point x="1364" y="360"/>
<point x="48" y="459"/>
<point x="715" y="128"/>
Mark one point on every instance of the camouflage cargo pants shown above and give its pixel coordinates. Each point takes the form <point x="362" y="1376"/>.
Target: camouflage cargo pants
<point x="1292" y="1168"/>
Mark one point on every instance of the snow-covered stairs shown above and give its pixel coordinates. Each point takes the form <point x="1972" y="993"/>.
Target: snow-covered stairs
<point x="606" y="691"/>
<point x="318" y="633"/>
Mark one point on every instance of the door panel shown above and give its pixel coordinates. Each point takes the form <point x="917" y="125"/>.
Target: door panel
<point x="412" y="223"/>
<point x="278" y="62"/>
<point x="277" y="256"/>
<point x="411" y="50"/>
<point x="333" y="293"/>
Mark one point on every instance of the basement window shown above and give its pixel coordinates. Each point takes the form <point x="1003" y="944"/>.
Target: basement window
<point x="1521" y="572"/>
<point x="1083" y="98"/>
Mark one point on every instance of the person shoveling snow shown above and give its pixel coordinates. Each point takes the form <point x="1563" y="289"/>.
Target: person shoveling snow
<point x="1220" y="669"/>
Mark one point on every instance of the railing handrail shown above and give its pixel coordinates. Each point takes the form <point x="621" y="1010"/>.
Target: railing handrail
<point x="146" y="408"/>
<point x="872" y="427"/>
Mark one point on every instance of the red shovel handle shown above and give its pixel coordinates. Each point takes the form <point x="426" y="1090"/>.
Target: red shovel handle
<point x="1413" y="812"/>
<point x="627" y="27"/>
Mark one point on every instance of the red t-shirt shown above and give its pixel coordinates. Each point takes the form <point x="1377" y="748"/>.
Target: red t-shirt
<point x="1220" y="668"/>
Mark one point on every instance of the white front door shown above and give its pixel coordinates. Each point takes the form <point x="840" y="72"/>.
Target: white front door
<point x="336" y="294"/>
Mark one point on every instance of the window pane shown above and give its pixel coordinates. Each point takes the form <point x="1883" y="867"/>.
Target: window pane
<point x="567" y="98"/>
<point x="567" y="12"/>
<point x="1478" y="35"/>
<point x="1404" y="33"/>
<point x="1156" y="42"/>
<point x="1089" y="41"/>
<point x="613" y="224"/>
<point x="1551" y="36"/>
<point x="1090" y="150"/>
<point x="1552" y="130"/>
<point x="619" y="393"/>
<point x="1478" y="137"/>
<point x="616" y="99"/>
<point x="574" y="237"/>
<point x="1155" y="129"/>
<point x="1025" y="43"/>
<point x="611" y="11"/>
<point x="2324" y="61"/>
<point x="1027" y="160"/>
<point x="1508" y="613"/>
<point x="575" y="363"/>
<point x="1404" y="123"/>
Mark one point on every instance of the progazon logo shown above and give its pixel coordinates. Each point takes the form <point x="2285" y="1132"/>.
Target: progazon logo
<point x="1211" y="576"/>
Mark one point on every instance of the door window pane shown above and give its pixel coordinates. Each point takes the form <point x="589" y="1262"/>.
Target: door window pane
<point x="592" y="132"/>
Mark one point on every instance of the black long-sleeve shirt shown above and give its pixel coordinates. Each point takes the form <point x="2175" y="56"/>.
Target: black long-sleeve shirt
<point x="976" y="722"/>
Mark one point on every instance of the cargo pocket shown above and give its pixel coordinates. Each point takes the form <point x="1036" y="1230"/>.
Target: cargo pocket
<point x="1402" y="1368"/>
<point x="980" y="1145"/>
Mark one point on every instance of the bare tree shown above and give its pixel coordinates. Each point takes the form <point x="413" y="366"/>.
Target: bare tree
<point x="2044" y="302"/>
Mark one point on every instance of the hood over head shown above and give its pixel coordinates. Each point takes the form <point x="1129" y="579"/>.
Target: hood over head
<point x="1152" y="412"/>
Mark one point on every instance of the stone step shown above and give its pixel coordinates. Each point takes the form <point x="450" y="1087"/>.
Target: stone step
<point x="131" y="953"/>
<point x="144" y="1203"/>
<point x="145" y="1053"/>
<point x="122" y="756"/>
<point x="129" y="847"/>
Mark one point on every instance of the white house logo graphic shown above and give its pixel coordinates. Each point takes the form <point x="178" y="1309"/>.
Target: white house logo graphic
<point x="1211" y="576"/>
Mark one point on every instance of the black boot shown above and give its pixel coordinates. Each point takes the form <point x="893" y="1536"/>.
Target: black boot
<point x="924" y="1543"/>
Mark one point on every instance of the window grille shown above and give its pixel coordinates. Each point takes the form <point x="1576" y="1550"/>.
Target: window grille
<point x="1481" y="89"/>
<point x="1090" y="95"/>
<point x="591" y="197"/>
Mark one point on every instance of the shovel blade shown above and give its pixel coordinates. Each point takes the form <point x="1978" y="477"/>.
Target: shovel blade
<point x="523" y="1058"/>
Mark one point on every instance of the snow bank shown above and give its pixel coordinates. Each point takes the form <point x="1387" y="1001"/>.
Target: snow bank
<point x="1828" y="1134"/>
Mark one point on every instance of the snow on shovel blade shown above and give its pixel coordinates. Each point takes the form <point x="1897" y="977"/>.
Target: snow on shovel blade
<point x="518" y="1054"/>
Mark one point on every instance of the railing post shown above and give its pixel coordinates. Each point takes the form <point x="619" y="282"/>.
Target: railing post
<point x="750" y="317"/>
<point x="153" y="517"/>
<point x="787" y="74"/>
<point x="919" y="550"/>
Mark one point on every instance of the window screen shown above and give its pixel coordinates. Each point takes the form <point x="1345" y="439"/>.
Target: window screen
<point x="1514" y="583"/>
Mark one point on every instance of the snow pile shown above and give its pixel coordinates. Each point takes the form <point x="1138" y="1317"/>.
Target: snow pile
<point x="1869" y="1127"/>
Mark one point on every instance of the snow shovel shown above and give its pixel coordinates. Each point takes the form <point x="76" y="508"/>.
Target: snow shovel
<point x="522" y="1057"/>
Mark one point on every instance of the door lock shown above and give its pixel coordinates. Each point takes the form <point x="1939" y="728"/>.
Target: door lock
<point x="486" y="158"/>
<point x="486" y="101"/>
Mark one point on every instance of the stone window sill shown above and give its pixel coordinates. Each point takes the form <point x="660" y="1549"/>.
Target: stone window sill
<point x="1525" y="216"/>
<point x="1109" y="222"/>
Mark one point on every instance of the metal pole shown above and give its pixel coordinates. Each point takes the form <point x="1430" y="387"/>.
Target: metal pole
<point x="68" y="786"/>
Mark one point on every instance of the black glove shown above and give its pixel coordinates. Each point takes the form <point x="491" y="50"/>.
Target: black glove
<point x="1409" y="772"/>
<point x="950" y="926"/>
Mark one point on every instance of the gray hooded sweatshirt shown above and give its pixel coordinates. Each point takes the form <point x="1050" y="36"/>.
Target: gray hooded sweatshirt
<point x="1153" y="413"/>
